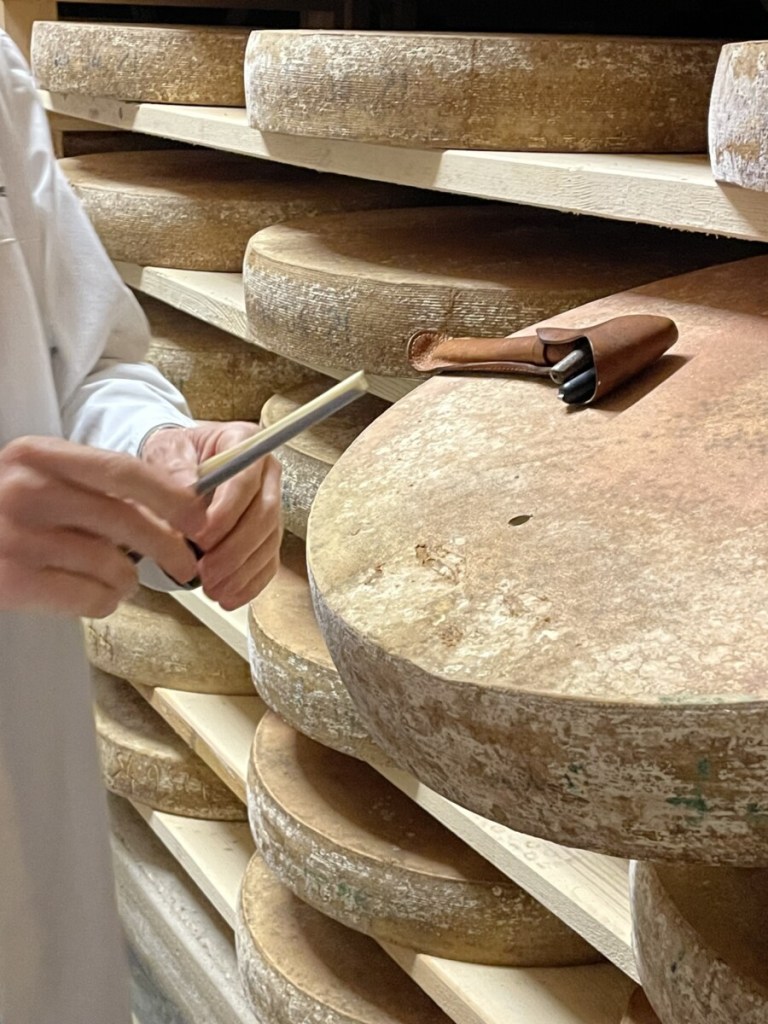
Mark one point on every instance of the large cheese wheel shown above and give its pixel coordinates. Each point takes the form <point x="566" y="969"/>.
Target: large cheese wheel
<point x="300" y="967"/>
<point x="383" y="866"/>
<point x="555" y="616"/>
<point x="515" y="92"/>
<point x="221" y="376"/>
<point x="701" y="942"/>
<point x="347" y="291"/>
<point x="738" y="140"/>
<point x="142" y="758"/>
<point x="141" y="63"/>
<point x="290" y="664"/>
<point x="153" y="641"/>
<point x="196" y="209"/>
<point x="308" y="457"/>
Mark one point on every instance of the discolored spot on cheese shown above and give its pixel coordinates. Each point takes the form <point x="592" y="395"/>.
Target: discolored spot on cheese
<point x="701" y="942"/>
<point x="347" y="842"/>
<point x="143" y="759"/>
<point x="596" y="675"/>
<point x="221" y="376"/>
<point x="509" y="92"/>
<point x="307" y="458"/>
<point x="153" y="641"/>
<point x="348" y="290"/>
<point x="290" y="664"/>
<point x="196" y="209"/>
<point x="738" y="139"/>
<point x="141" y="63"/>
<point x="297" y="965"/>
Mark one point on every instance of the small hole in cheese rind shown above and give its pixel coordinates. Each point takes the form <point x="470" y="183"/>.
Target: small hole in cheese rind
<point x="518" y="520"/>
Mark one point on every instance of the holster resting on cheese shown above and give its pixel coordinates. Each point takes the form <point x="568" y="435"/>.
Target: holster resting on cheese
<point x="621" y="348"/>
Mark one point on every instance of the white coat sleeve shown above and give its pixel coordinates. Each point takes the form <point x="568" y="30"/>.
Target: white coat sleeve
<point x="96" y="331"/>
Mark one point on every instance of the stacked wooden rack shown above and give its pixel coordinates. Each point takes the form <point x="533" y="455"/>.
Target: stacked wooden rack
<point x="588" y="891"/>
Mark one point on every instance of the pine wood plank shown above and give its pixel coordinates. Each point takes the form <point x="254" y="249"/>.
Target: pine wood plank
<point x="672" y="191"/>
<point x="216" y="855"/>
<point x="218" y="299"/>
<point x="588" y="891"/>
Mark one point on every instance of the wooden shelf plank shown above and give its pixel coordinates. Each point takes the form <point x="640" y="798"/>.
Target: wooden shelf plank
<point x="218" y="299"/>
<point x="215" y="855"/>
<point x="672" y="191"/>
<point x="590" y="892"/>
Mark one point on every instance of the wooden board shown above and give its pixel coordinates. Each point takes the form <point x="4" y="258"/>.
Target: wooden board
<point x="196" y="210"/>
<point x="701" y="942"/>
<point x="298" y="965"/>
<point x="290" y="664"/>
<point x="153" y="641"/>
<point x="673" y="191"/>
<point x="738" y="144"/>
<point x="221" y="377"/>
<point x="349" y="290"/>
<point x="307" y="458"/>
<point x="380" y="865"/>
<point x="514" y="92"/>
<point x="141" y="63"/>
<point x="577" y="651"/>
<point x="143" y="759"/>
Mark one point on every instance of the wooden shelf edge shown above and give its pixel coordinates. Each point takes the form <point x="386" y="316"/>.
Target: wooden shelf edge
<point x="669" y="191"/>
<point x="218" y="300"/>
<point x="588" y="891"/>
<point x="216" y="854"/>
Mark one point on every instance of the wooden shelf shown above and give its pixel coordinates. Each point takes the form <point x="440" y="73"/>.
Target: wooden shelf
<point x="590" y="892"/>
<point x="215" y="855"/>
<point x="218" y="299"/>
<point x="671" y="191"/>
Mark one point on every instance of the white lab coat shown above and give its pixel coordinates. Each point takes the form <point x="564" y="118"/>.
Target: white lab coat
<point x="70" y="336"/>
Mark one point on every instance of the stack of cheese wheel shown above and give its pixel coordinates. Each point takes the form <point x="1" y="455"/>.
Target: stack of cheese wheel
<point x="347" y="290"/>
<point x="221" y="377"/>
<point x="347" y="842"/>
<point x="307" y="458"/>
<point x="290" y="664"/>
<point x="143" y="759"/>
<point x="507" y="92"/>
<point x="298" y="965"/>
<point x="141" y="63"/>
<point x="578" y="650"/>
<point x="738" y="142"/>
<point x="701" y="942"/>
<point x="196" y="209"/>
<point x="152" y="641"/>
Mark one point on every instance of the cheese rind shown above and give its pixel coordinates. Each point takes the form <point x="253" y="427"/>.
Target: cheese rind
<point x="738" y="140"/>
<point x="386" y="868"/>
<point x="141" y="63"/>
<point x="143" y="759"/>
<point x="507" y="92"/>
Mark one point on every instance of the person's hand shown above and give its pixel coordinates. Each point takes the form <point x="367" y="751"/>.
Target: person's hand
<point x="69" y="515"/>
<point x="243" y="529"/>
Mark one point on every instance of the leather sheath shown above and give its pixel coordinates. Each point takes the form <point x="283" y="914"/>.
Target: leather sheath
<point x="621" y="348"/>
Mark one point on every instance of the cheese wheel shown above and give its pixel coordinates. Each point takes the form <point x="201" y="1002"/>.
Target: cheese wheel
<point x="221" y="376"/>
<point x="141" y="63"/>
<point x="553" y="616"/>
<point x="383" y="866"/>
<point x="639" y="1010"/>
<point x="701" y="943"/>
<point x="153" y="641"/>
<point x="298" y="966"/>
<point x="738" y="141"/>
<point x="196" y="209"/>
<point x="290" y="664"/>
<point x="307" y="458"/>
<point x="512" y="92"/>
<point x="143" y="759"/>
<point x="347" y="291"/>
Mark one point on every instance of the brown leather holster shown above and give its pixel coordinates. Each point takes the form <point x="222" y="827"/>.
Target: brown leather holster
<point x="620" y="348"/>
